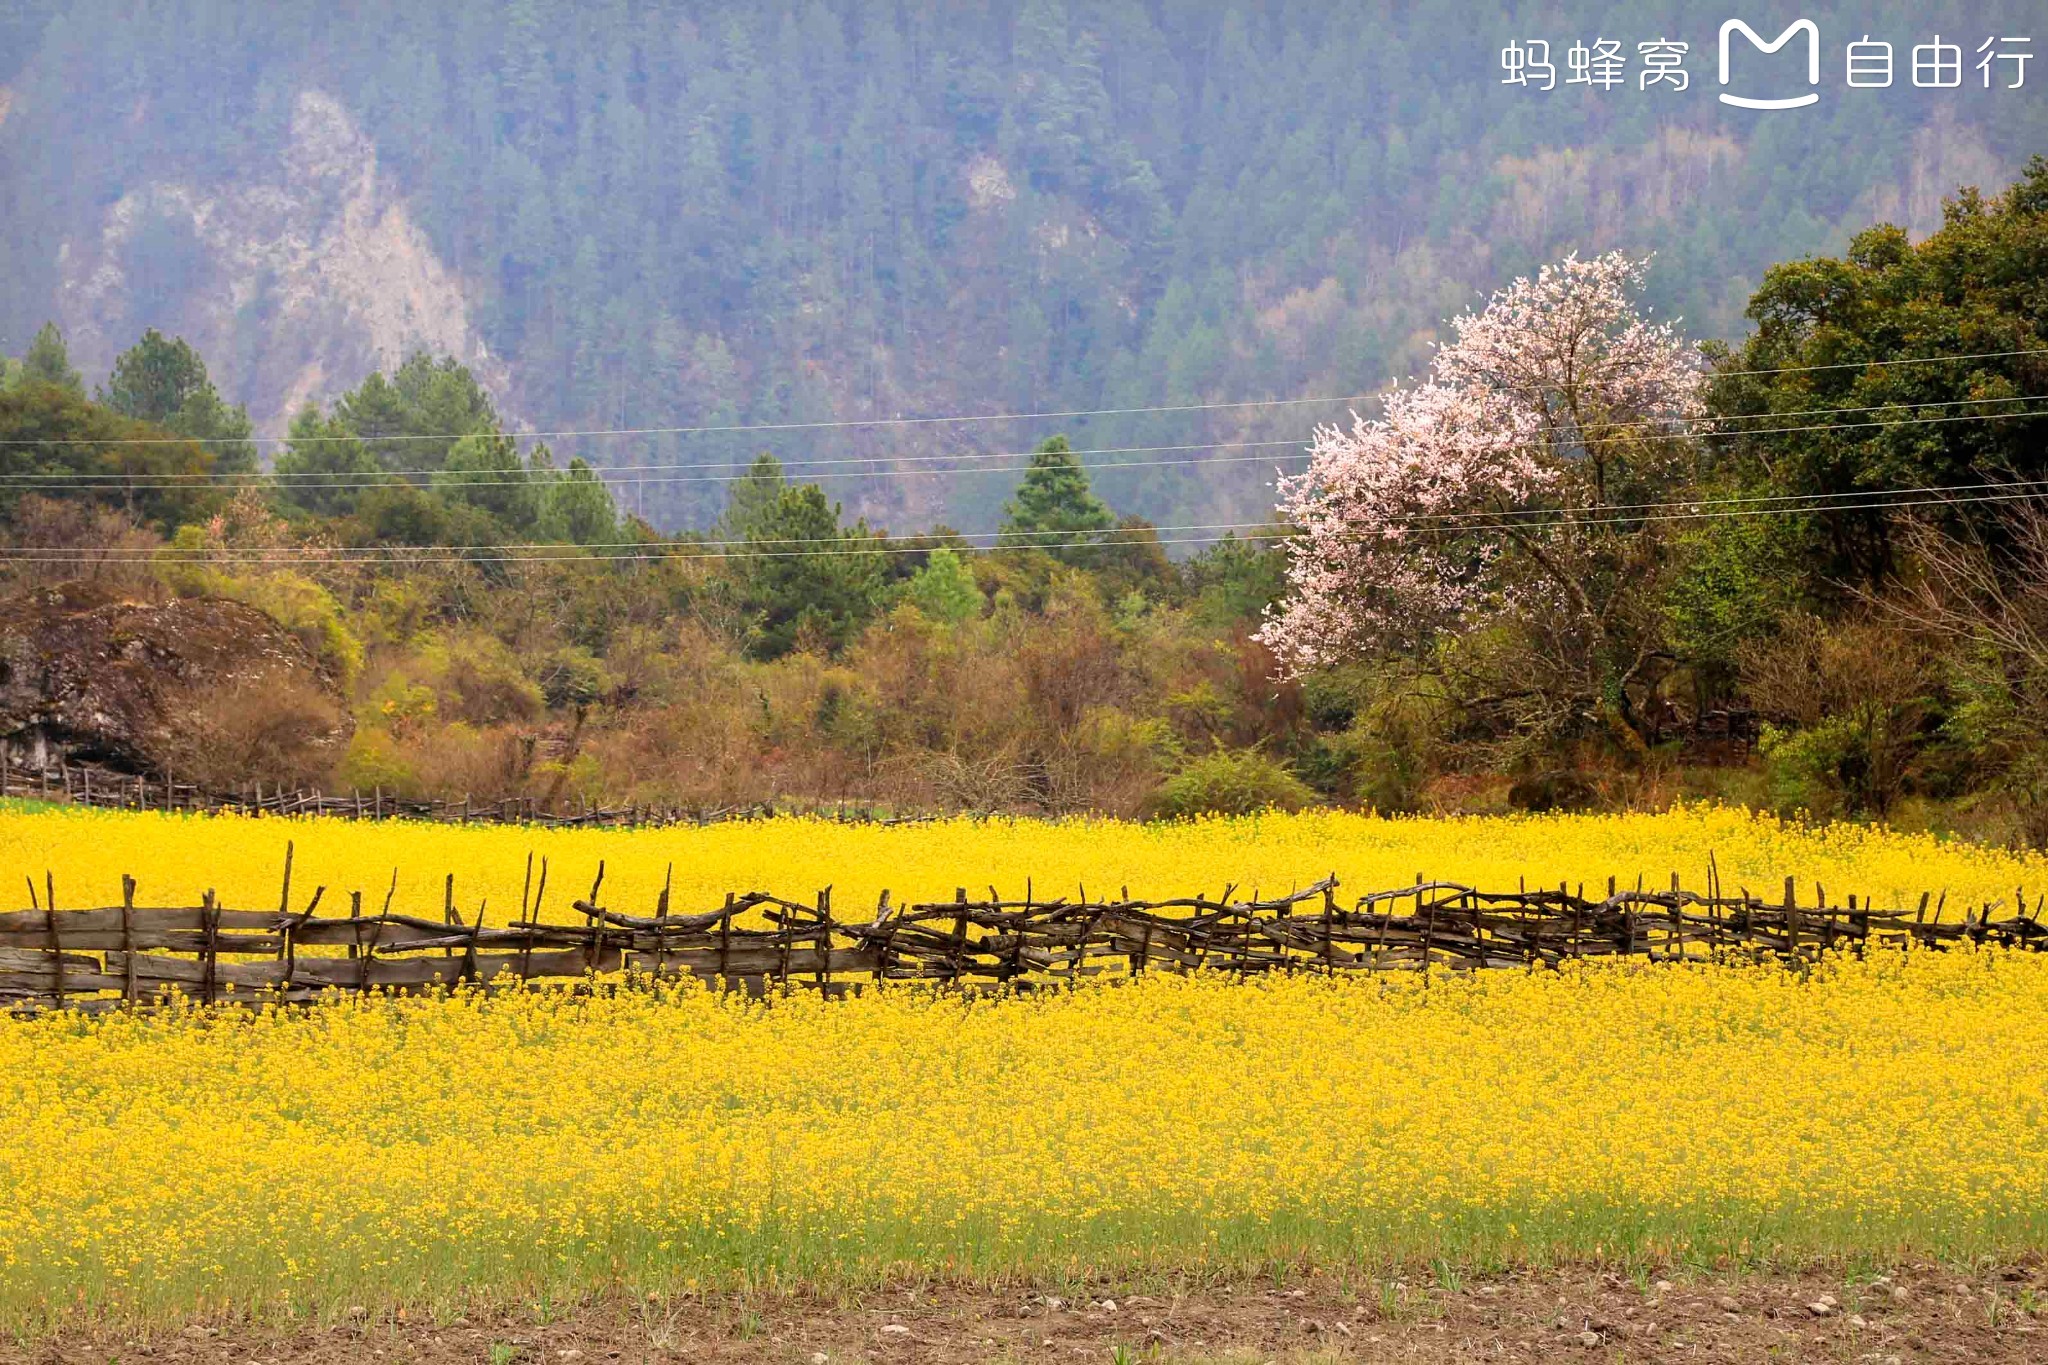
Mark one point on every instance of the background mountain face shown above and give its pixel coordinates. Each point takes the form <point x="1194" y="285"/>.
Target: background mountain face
<point x="634" y="215"/>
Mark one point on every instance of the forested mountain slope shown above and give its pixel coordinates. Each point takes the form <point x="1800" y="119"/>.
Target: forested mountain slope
<point x="637" y="215"/>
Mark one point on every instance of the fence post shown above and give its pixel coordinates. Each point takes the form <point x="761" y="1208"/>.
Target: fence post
<point x="56" y="945"/>
<point x="596" y="921"/>
<point x="128" y="939"/>
<point x="469" y="967"/>
<point x="448" y="915"/>
<point x="824" y="938"/>
<point x="369" y="957"/>
<point x="1428" y="925"/>
<point x="725" y="944"/>
<point x="209" y="965"/>
<point x="1329" y="914"/>
<point x="660" y="930"/>
<point x="960" y="933"/>
<point x="1792" y="913"/>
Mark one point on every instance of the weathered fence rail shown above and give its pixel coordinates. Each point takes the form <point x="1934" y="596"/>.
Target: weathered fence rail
<point x="114" y="956"/>
<point x="103" y="788"/>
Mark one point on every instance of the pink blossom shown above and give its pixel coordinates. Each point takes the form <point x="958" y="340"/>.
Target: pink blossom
<point x="1485" y="482"/>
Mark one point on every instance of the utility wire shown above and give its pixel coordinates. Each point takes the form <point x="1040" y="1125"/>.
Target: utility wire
<point x="1861" y="498"/>
<point x="856" y="422"/>
<point x="457" y="480"/>
<point x="544" y="553"/>
<point x="794" y="469"/>
<point x="896" y="463"/>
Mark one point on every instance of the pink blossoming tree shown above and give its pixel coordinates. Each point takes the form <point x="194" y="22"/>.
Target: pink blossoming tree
<point x="1506" y="490"/>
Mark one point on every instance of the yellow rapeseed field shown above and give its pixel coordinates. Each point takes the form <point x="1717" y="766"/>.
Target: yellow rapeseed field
<point x="530" y="1146"/>
<point x="542" y="1143"/>
<point x="175" y="858"/>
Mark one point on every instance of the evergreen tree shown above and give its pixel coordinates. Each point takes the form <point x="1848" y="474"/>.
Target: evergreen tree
<point x="485" y="472"/>
<point x="944" y="589"/>
<point x="412" y="421"/>
<point x="48" y="361"/>
<point x="163" y="381"/>
<point x="1054" y="506"/>
<point x="577" y="508"/>
<point x="804" y="579"/>
<point x="324" y="467"/>
<point x="751" y="497"/>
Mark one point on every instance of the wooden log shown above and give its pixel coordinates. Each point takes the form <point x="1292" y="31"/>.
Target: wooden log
<point x="128" y="934"/>
<point x="56" y="949"/>
<point x="210" y="961"/>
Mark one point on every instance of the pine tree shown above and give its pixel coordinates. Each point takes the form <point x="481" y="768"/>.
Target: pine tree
<point x="1054" y="506"/>
<point x="485" y="471"/>
<point x="805" y="579"/>
<point x="944" y="589"/>
<point x="48" y="361"/>
<point x="751" y="497"/>
<point x="578" y="509"/>
<point x="324" y="467"/>
<point x="163" y="381"/>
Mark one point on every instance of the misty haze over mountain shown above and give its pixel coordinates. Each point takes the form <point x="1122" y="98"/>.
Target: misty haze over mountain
<point x="637" y="215"/>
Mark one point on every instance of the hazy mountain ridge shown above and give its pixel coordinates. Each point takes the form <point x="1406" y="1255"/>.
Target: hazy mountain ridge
<point x="809" y="212"/>
<point x="322" y="248"/>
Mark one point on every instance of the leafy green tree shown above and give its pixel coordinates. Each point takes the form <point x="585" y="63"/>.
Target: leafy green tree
<point x="751" y="497"/>
<point x="1832" y="419"/>
<point x="163" y="381"/>
<point x="1054" y="506"/>
<point x="1234" y="581"/>
<point x="944" y="589"/>
<point x="413" y="420"/>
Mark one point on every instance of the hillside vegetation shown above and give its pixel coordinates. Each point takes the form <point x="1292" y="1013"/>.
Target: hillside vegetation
<point x="713" y="213"/>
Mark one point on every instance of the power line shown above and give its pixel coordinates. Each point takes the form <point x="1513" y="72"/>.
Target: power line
<point x="540" y="477"/>
<point x="392" y="479"/>
<point x="940" y="419"/>
<point x="896" y="463"/>
<point x="2037" y="491"/>
<point x="735" y="428"/>
<point x="570" y="554"/>
<point x="1872" y="364"/>
<point x="640" y="551"/>
<point x="1028" y="539"/>
<point x="1732" y="500"/>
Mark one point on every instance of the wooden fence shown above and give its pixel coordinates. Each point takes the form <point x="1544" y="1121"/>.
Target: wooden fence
<point x="115" y="956"/>
<point x="87" y="784"/>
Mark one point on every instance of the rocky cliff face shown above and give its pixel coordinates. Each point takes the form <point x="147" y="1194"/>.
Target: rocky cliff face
<point x="293" y="287"/>
<point x="182" y="687"/>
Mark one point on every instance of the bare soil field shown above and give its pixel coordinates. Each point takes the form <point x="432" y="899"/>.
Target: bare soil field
<point x="1918" y="1313"/>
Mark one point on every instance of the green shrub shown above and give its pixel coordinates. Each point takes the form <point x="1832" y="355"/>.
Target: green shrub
<point x="573" y="676"/>
<point x="1811" y="771"/>
<point x="373" y="760"/>
<point x="1232" y="783"/>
